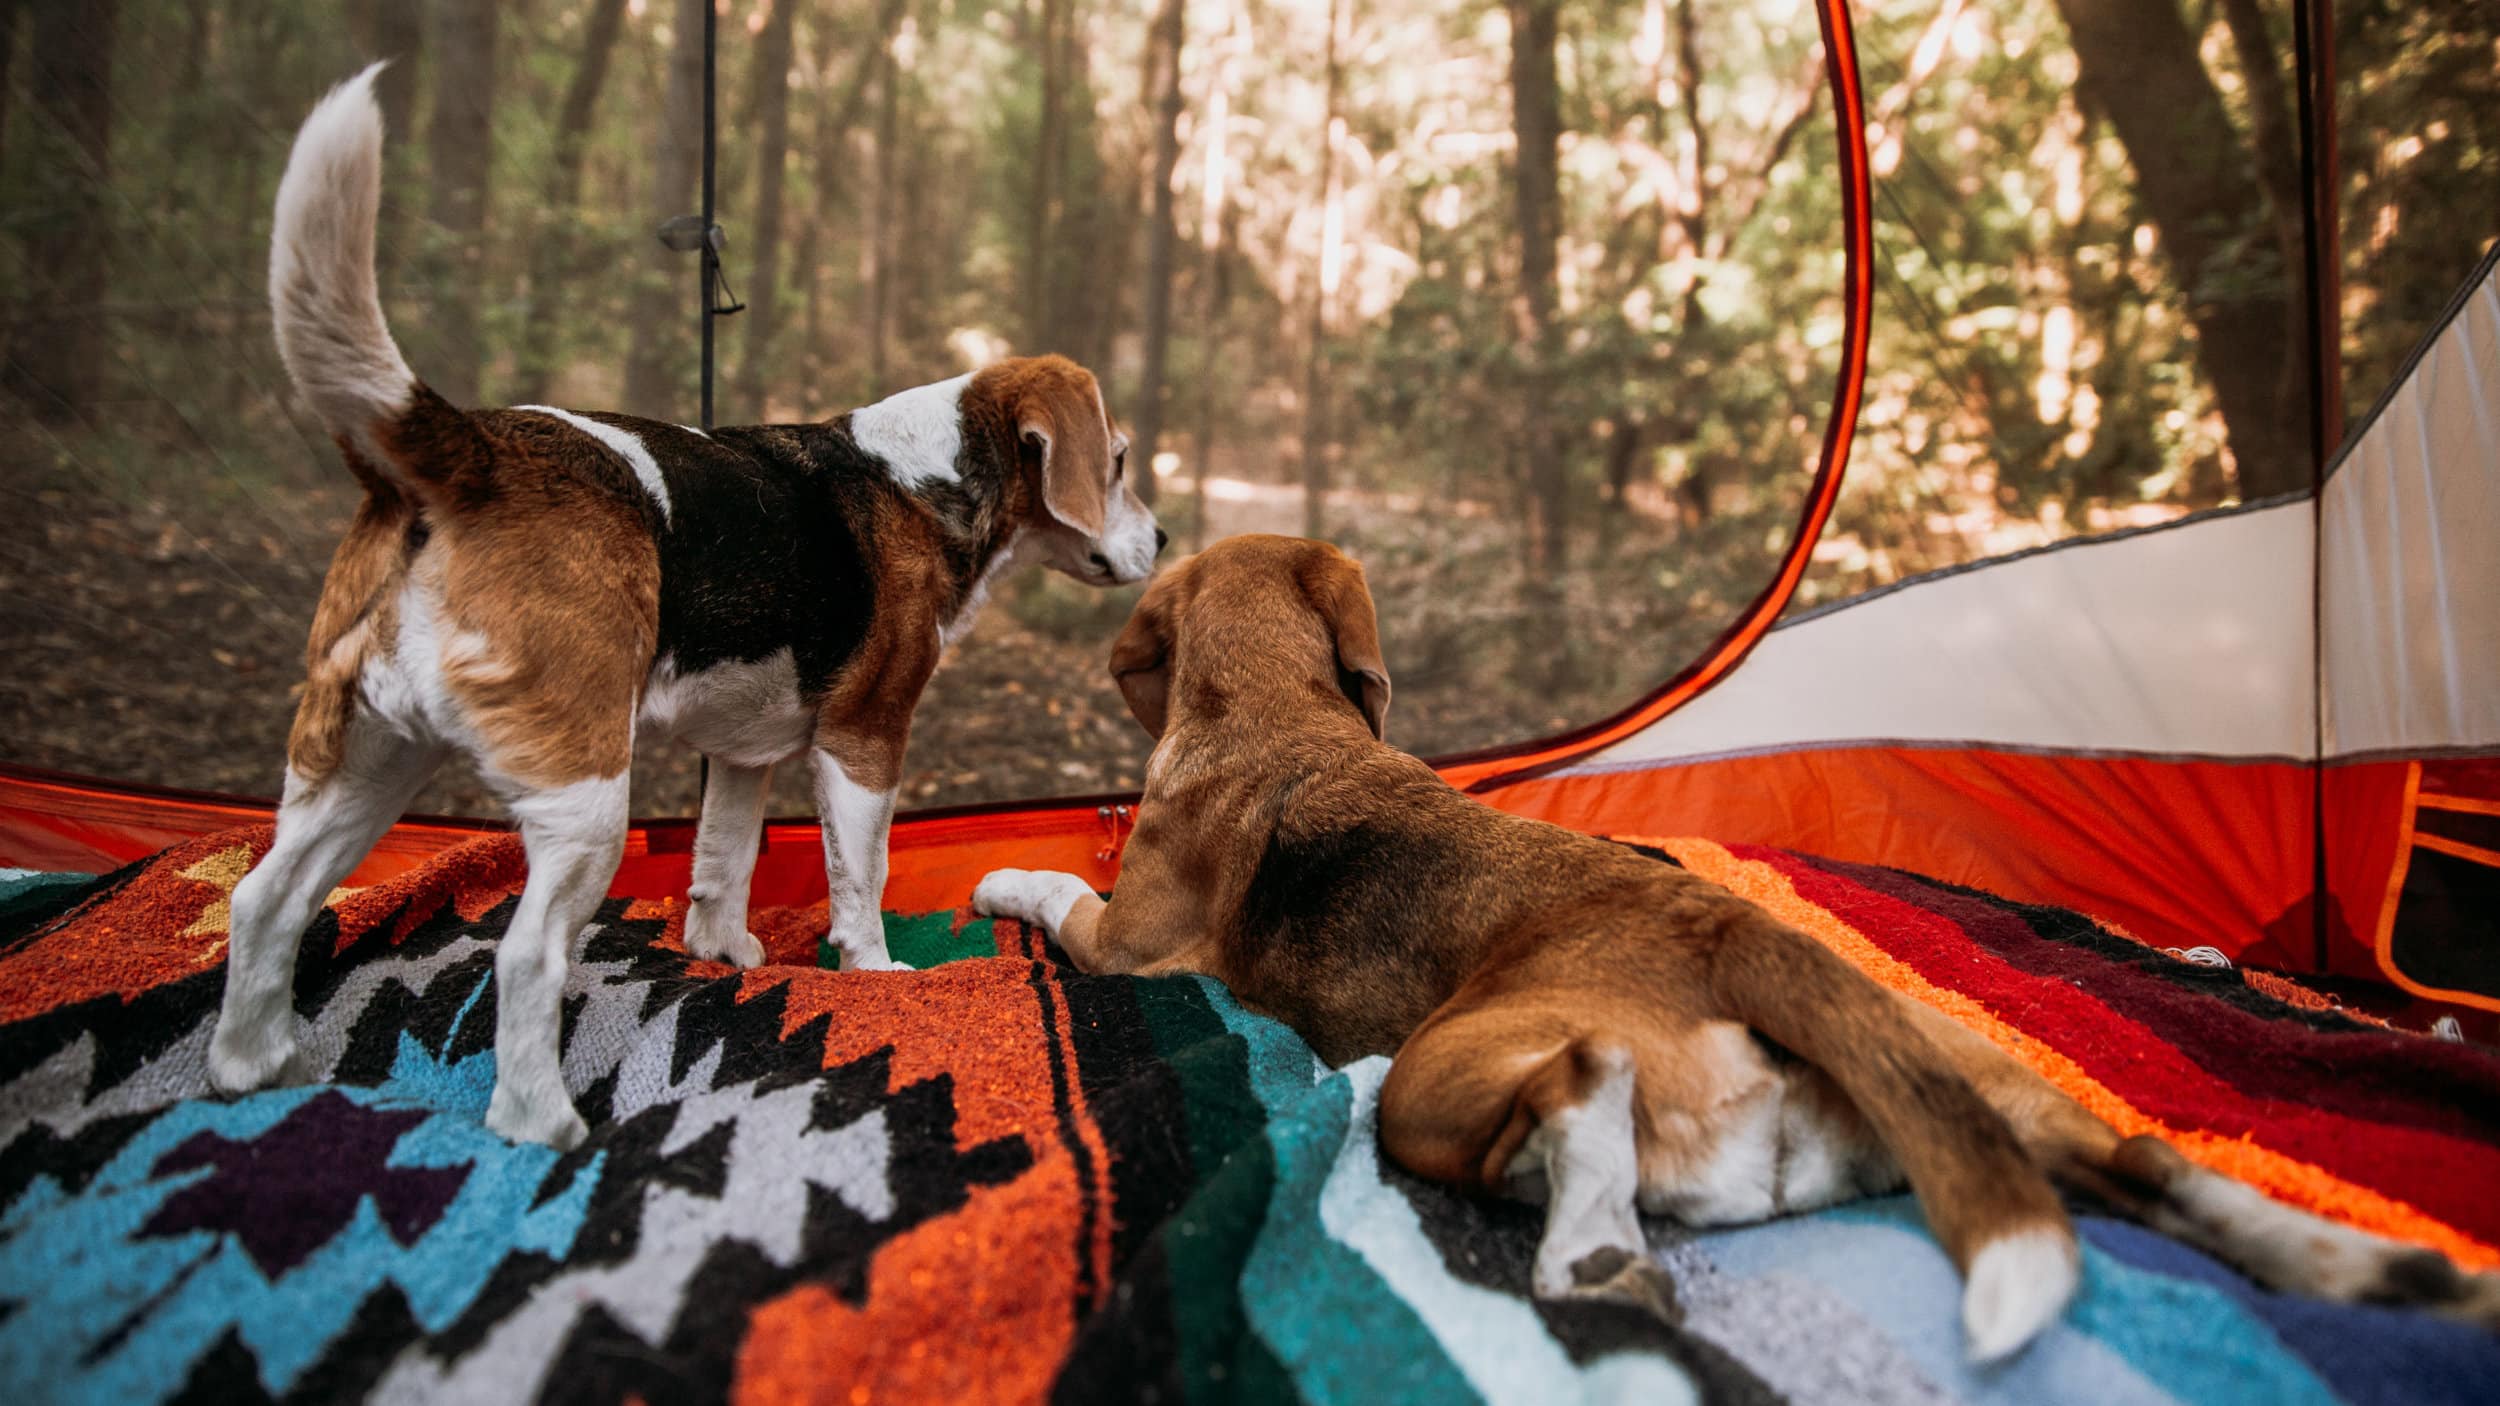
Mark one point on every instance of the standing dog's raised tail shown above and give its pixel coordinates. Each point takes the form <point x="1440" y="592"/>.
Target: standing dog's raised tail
<point x="1986" y="1199"/>
<point x="328" y="312"/>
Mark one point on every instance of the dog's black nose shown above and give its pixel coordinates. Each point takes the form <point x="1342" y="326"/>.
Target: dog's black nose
<point x="1162" y="539"/>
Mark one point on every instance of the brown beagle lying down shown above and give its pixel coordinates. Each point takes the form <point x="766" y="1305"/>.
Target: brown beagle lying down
<point x="1579" y="1025"/>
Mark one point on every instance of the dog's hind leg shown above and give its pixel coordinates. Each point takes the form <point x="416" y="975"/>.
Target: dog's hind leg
<point x="1585" y="1147"/>
<point x="325" y="827"/>
<point x="1512" y="1101"/>
<point x="724" y="865"/>
<point x="575" y="833"/>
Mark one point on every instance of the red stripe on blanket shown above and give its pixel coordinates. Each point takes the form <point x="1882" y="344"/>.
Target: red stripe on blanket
<point x="2443" y="1176"/>
<point x="2375" y="1076"/>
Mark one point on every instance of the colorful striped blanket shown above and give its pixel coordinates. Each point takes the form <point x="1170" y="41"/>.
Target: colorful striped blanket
<point x="997" y="1179"/>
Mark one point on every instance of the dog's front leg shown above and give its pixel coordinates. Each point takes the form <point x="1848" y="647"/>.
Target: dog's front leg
<point x="724" y="864"/>
<point x="856" y="818"/>
<point x="1063" y="906"/>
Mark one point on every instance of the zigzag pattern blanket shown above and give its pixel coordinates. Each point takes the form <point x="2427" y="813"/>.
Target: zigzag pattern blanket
<point x="997" y="1179"/>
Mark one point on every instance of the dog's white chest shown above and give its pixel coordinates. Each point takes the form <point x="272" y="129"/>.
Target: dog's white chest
<point x="747" y="714"/>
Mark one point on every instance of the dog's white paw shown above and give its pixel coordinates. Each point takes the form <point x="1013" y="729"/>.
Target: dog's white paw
<point x="1006" y="893"/>
<point x="248" y="1063"/>
<point x="877" y="961"/>
<point x="733" y="945"/>
<point x="1041" y="897"/>
<point x="553" y="1122"/>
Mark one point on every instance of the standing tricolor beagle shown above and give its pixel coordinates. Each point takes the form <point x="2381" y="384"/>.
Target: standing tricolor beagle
<point x="529" y="586"/>
<point x="1575" y="1023"/>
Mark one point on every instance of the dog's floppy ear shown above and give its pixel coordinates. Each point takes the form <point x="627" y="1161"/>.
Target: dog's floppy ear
<point x="1141" y="658"/>
<point x="1059" y="414"/>
<point x="1344" y="601"/>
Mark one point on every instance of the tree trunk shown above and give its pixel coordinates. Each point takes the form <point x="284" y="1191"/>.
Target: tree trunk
<point x="460" y="148"/>
<point x="69" y="85"/>
<point x="1219" y="276"/>
<point x="8" y="56"/>
<point x="1161" y="236"/>
<point x="656" y="370"/>
<point x="1050" y="141"/>
<point x="1323" y="288"/>
<point x="834" y="117"/>
<point x="769" y="111"/>
<point x="554" y="255"/>
<point x="1536" y="119"/>
<point x="906" y="305"/>
<point x="394" y="30"/>
<point x="2272" y="132"/>
<point x="2138" y="63"/>
<point x="881" y="225"/>
<point x="1215" y="231"/>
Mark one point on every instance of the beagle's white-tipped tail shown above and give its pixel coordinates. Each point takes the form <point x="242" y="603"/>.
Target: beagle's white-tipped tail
<point x="2018" y="1284"/>
<point x="322" y="297"/>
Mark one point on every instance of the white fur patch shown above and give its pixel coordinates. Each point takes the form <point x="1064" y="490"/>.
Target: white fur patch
<point x="1592" y="1175"/>
<point x="574" y="835"/>
<point x="625" y="446"/>
<point x="2282" y="1246"/>
<point x="724" y="866"/>
<point x="322" y="298"/>
<point x="323" y="831"/>
<point x="856" y="821"/>
<point x="1738" y="1180"/>
<point x="1039" y="896"/>
<point x="1128" y="525"/>
<point x="404" y="687"/>
<point x="2018" y="1285"/>
<point x="919" y="433"/>
<point x="745" y="713"/>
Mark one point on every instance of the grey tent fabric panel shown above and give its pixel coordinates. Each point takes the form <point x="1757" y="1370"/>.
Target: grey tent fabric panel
<point x="2410" y="554"/>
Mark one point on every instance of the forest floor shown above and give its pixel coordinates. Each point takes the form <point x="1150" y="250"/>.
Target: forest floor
<point x="162" y="642"/>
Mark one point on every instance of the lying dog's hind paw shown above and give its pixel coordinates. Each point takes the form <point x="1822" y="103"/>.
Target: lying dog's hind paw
<point x="1613" y="1275"/>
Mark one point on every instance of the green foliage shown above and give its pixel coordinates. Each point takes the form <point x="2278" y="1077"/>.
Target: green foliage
<point x="2036" y="367"/>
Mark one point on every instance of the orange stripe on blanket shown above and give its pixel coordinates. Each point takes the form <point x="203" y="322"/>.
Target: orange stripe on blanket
<point x="2286" y="1178"/>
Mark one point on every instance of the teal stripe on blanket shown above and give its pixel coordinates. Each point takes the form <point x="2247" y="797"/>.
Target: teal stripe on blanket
<point x="1499" y="1340"/>
<point x="1208" y="1237"/>
<point x="1349" y="1292"/>
<point x="1341" y="1333"/>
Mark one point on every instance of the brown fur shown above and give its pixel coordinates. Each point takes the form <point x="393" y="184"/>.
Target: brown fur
<point x="865" y="720"/>
<point x="1506" y="962"/>
<point x="356" y="617"/>
<point x="550" y="583"/>
<point x="1055" y="407"/>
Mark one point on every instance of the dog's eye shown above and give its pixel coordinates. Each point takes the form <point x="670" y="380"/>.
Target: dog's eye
<point x="1119" y="465"/>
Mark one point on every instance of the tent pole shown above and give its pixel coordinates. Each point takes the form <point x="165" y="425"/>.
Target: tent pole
<point x="709" y="273"/>
<point x="2313" y="60"/>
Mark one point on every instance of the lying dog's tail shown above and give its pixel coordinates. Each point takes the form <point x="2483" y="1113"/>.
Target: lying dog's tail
<point x="328" y="313"/>
<point x="1987" y="1200"/>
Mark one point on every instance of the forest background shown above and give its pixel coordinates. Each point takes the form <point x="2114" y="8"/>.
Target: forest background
<point x="1532" y="304"/>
